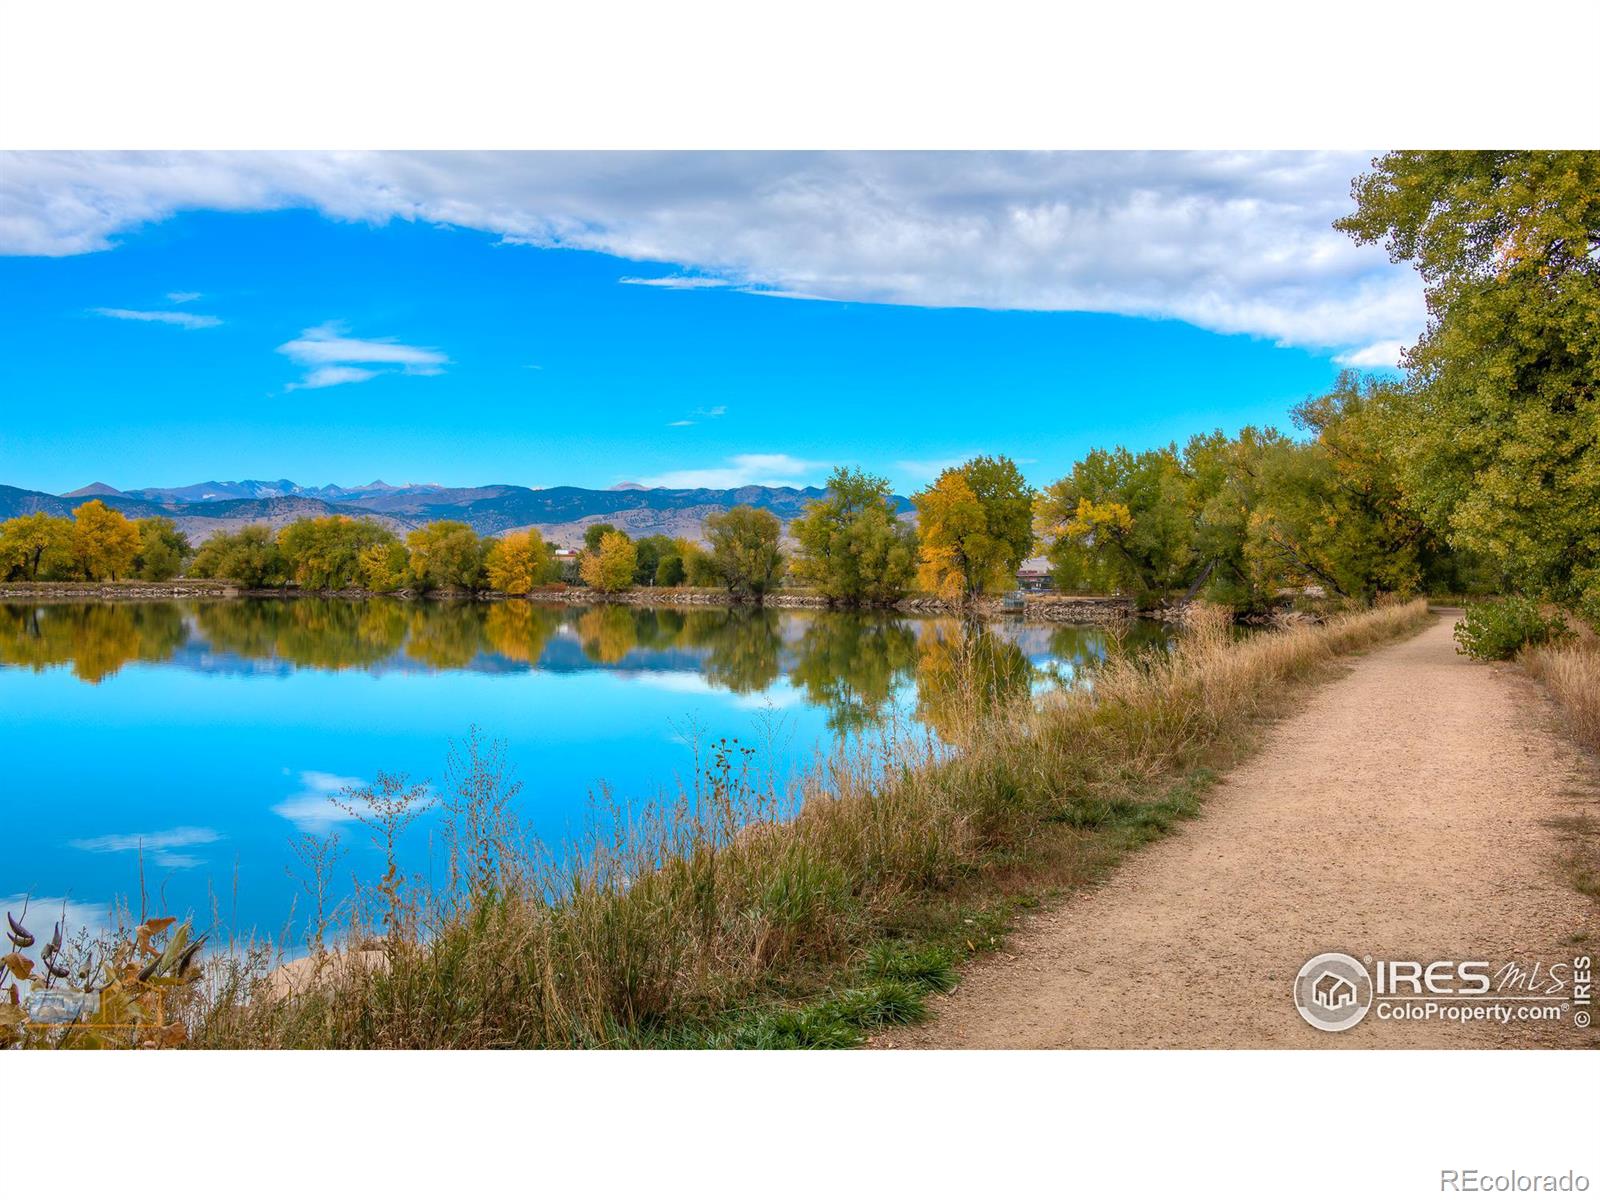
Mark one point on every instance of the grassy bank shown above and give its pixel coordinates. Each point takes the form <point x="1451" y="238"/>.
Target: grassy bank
<point x="1570" y="672"/>
<point x="728" y="918"/>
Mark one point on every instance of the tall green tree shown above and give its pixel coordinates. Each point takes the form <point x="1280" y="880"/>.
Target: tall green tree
<point x="325" y="552"/>
<point x="446" y="554"/>
<point x="744" y="550"/>
<point x="249" y="557"/>
<point x="854" y="549"/>
<point x="1121" y="522"/>
<point x="163" y="549"/>
<point x="648" y="553"/>
<point x="1496" y="431"/>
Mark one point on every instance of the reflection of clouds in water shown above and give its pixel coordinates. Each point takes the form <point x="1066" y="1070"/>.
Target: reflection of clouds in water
<point x="311" y="809"/>
<point x="159" y="846"/>
<point x="780" y="695"/>
<point x="688" y="683"/>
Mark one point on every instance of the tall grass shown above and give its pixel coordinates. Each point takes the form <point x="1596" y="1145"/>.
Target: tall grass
<point x="1571" y="671"/>
<point x="744" y="915"/>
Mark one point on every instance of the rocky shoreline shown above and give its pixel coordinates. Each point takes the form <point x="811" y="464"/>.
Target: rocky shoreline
<point x="1044" y="606"/>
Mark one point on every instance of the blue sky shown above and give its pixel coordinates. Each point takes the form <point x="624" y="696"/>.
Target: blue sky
<point x="649" y="322"/>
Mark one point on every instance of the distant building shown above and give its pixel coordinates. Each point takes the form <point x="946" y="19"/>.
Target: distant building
<point x="1034" y="575"/>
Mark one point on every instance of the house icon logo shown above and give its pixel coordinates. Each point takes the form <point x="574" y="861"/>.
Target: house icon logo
<point x="1333" y="992"/>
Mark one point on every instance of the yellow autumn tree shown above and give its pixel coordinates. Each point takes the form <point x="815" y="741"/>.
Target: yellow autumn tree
<point x="960" y="557"/>
<point x="105" y="543"/>
<point x="519" y="562"/>
<point x="610" y="568"/>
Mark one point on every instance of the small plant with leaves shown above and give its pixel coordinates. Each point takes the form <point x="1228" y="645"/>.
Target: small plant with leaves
<point x="125" y="996"/>
<point x="1500" y="629"/>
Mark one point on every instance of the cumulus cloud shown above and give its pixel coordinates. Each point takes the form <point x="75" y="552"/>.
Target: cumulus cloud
<point x="182" y="319"/>
<point x="161" y="846"/>
<point x="1232" y="242"/>
<point x="742" y="470"/>
<point x="331" y="357"/>
<point x="1379" y="354"/>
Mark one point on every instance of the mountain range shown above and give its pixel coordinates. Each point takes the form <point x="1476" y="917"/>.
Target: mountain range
<point x="560" y="513"/>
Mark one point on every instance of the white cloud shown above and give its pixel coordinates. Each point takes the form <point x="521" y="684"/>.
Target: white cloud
<point x="1232" y="242"/>
<point x="159" y="846"/>
<point x="42" y="913"/>
<point x="186" y="320"/>
<point x="330" y="356"/>
<point x="1379" y="354"/>
<point x="321" y="377"/>
<point x="677" y="282"/>
<point x="182" y="297"/>
<point x="311" y="809"/>
<point x="742" y="470"/>
<point x="678" y="424"/>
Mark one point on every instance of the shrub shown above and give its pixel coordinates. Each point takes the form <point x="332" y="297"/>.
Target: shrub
<point x="1498" y="629"/>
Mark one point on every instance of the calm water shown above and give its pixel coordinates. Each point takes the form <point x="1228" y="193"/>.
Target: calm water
<point x="211" y="733"/>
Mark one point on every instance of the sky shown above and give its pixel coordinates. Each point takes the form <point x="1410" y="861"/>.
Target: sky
<point x="671" y="319"/>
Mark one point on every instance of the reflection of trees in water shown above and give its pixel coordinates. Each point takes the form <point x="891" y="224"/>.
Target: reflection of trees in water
<point x="445" y="635"/>
<point x="518" y="630"/>
<point x="607" y="632"/>
<point x="310" y="632"/>
<point x="744" y="647"/>
<point x="97" y="639"/>
<point x="851" y="664"/>
<point x="964" y="672"/>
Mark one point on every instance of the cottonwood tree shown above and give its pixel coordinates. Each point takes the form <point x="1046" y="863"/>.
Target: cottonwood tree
<point x="35" y="546"/>
<point x="446" y="554"/>
<point x="163" y="549"/>
<point x="1496" y="430"/>
<point x="249" y="557"/>
<point x="519" y="562"/>
<point x="853" y="547"/>
<point x="744" y="550"/>
<point x="611" y="565"/>
<point x="974" y="527"/>
<point x="105" y="543"/>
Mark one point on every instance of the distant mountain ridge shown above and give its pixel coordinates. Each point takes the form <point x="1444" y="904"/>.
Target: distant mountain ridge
<point x="561" y="513"/>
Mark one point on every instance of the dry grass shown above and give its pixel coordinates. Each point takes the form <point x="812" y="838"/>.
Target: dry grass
<point x="1571" y="671"/>
<point x="741" y="915"/>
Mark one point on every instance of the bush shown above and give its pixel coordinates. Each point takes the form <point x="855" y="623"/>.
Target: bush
<point x="1498" y="629"/>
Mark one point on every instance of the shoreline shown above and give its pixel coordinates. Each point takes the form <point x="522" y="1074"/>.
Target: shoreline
<point x="1045" y="607"/>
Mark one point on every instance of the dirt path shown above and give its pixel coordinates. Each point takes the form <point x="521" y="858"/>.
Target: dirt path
<point x="1403" y="812"/>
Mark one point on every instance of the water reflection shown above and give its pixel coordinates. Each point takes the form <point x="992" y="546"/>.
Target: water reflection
<point x="854" y="666"/>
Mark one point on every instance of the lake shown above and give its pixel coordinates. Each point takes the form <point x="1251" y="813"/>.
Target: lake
<point x="201" y="737"/>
